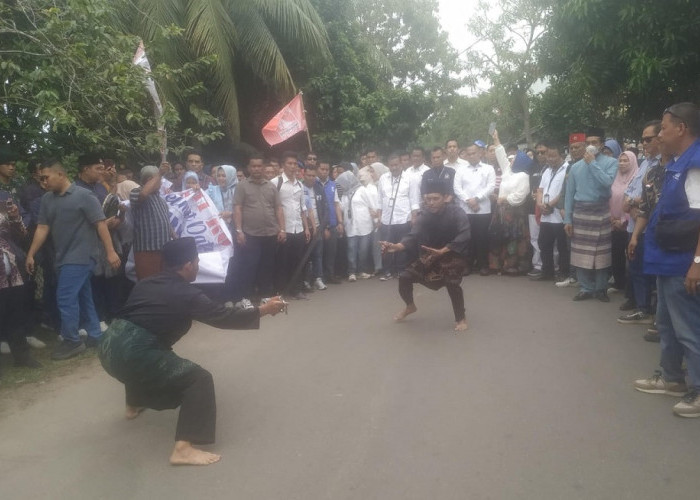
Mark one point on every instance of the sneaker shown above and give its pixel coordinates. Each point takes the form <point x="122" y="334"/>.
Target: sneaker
<point x="613" y="290"/>
<point x="386" y="277"/>
<point x="652" y="335"/>
<point x="35" y="343"/>
<point x="28" y="362"/>
<point x="636" y="318"/>
<point x="566" y="282"/>
<point x="103" y="326"/>
<point x="582" y="296"/>
<point x="306" y="286"/>
<point x="299" y="296"/>
<point x="535" y="273"/>
<point x="352" y="277"/>
<point x="657" y="385"/>
<point x="602" y="296"/>
<point x="628" y="305"/>
<point x="92" y="342"/>
<point x="319" y="284"/>
<point x="82" y="332"/>
<point x="365" y="276"/>
<point x="67" y="350"/>
<point x="689" y="406"/>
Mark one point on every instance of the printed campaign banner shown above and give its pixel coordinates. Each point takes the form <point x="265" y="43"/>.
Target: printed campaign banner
<point x="193" y="213"/>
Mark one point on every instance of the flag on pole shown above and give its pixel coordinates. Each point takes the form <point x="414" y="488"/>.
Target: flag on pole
<point x="141" y="60"/>
<point x="288" y="122"/>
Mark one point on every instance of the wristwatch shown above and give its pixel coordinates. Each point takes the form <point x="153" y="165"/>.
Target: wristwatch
<point x="696" y="259"/>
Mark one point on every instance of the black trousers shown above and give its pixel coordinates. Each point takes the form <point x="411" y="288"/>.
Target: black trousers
<point x="396" y="262"/>
<point x="619" y="259"/>
<point x="252" y="264"/>
<point x="13" y="316"/>
<point x="479" y="242"/>
<point x="330" y="247"/>
<point x="456" y="295"/>
<point x="290" y="254"/>
<point x="551" y="233"/>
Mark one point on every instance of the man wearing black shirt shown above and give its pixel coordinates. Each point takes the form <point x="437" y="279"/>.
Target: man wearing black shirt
<point x="137" y="349"/>
<point x="438" y="174"/>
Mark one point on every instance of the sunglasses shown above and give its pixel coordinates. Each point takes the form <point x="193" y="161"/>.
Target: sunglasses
<point x="648" y="139"/>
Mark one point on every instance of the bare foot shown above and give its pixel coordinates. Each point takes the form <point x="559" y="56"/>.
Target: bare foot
<point x="460" y="326"/>
<point x="409" y="310"/>
<point x="185" y="454"/>
<point x="133" y="411"/>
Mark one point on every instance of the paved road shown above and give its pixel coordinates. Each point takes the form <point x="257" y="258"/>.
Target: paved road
<point x="335" y="401"/>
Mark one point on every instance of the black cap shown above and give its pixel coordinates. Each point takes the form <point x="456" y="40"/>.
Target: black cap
<point x="595" y="132"/>
<point x="440" y="186"/>
<point x="179" y="251"/>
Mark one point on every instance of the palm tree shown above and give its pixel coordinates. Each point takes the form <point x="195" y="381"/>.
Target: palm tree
<point x="245" y="34"/>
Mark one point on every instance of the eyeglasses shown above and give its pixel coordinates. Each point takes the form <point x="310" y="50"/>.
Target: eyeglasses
<point x="648" y="139"/>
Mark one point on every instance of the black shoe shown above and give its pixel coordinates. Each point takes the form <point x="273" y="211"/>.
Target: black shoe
<point x="602" y="296"/>
<point x="582" y="296"/>
<point x="67" y="350"/>
<point x="652" y="335"/>
<point x="91" y="342"/>
<point x="628" y="305"/>
<point x="534" y="273"/>
<point x="543" y="277"/>
<point x="28" y="362"/>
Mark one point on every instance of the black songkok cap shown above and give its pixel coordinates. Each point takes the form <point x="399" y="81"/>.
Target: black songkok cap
<point x="89" y="159"/>
<point x="179" y="251"/>
<point x="439" y="186"/>
<point x="595" y="132"/>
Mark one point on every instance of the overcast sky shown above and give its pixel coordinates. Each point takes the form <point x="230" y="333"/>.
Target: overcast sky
<point x="453" y="16"/>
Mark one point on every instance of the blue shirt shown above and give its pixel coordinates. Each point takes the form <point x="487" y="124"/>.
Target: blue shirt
<point x="589" y="182"/>
<point x="330" y="188"/>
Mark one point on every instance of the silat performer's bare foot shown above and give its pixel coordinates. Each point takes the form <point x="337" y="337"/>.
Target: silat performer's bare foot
<point x="185" y="454"/>
<point x="460" y="326"/>
<point x="133" y="411"/>
<point x="410" y="309"/>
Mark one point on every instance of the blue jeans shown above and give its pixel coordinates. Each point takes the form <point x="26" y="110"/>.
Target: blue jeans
<point x="678" y="321"/>
<point x="642" y="284"/>
<point x="593" y="280"/>
<point x="359" y="253"/>
<point x="75" y="304"/>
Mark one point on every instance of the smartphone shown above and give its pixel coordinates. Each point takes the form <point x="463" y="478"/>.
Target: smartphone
<point x="492" y="128"/>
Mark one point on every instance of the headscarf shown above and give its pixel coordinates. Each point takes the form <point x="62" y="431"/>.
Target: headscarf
<point x="379" y="170"/>
<point x="124" y="189"/>
<point x="365" y="176"/>
<point x="619" y="187"/>
<point x="348" y="183"/>
<point x="613" y="146"/>
<point x="223" y="197"/>
<point x="189" y="175"/>
<point x="522" y="163"/>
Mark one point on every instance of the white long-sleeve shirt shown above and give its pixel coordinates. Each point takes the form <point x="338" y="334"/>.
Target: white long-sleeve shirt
<point x="475" y="181"/>
<point x="363" y="203"/>
<point x="395" y="192"/>
<point x="515" y="188"/>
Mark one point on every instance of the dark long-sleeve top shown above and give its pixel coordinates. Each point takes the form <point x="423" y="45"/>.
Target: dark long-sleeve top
<point x="448" y="228"/>
<point x="166" y="304"/>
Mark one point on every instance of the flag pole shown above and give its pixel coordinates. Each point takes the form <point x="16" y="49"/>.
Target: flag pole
<point x="303" y="107"/>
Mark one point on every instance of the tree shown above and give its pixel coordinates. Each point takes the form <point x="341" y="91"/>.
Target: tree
<point x="506" y="51"/>
<point x="69" y="84"/>
<point x="627" y="59"/>
<point x="244" y="38"/>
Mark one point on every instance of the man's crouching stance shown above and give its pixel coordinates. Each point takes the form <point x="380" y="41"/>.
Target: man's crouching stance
<point x="137" y="349"/>
<point x="440" y="238"/>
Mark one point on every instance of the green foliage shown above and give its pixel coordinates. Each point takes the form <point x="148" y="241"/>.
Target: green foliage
<point x="69" y="84"/>
<point x="623" y="61"/>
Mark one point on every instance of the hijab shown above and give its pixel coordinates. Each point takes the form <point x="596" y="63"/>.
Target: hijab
<point x="223" y="196"/>
<point x="379" y="170"/>
<point x="189" y="175"/>
<point x="619" y="187"/>
<point x="365" y="175"/>
<point x="348" y="183"/>
<point x="613" y="146"/>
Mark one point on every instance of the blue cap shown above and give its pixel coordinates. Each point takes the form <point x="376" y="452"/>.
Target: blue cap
<point x="522" y="163"/>
<point x="480" y="143"/>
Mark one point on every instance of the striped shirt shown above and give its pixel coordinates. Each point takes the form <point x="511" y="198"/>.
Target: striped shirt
<point x="151" y="221"/>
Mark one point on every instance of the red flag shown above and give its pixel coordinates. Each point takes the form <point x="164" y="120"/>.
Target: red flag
<point x="288" y="122"/>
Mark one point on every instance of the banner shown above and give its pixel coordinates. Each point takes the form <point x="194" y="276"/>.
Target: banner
<point x="288" y="122"/>
<point x="193" y="213"/>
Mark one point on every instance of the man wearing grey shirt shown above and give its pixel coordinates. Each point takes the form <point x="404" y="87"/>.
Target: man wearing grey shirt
<point x="74" y="218"/>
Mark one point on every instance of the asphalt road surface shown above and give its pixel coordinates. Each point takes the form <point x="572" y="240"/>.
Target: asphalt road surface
<point x="335" y="401"/>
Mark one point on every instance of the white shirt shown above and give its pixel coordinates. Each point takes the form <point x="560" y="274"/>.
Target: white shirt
<point x="475" y="181"/>
<point x="459" y="163"/>
<point x="420" y="170"/>
<point x="551" y="184"/>
<point x="292" y="199"/>
<point x="361" y="223"/>
<point x="395" y="192"/>
<point x="416" y="179"/>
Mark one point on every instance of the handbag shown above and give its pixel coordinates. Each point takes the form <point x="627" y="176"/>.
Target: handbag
<point x="677" y="235"/>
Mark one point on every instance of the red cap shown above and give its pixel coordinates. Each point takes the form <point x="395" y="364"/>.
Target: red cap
<point x="577" y="137"/>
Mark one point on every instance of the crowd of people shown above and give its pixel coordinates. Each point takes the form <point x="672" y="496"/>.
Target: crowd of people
<point x="593" y="214"/>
